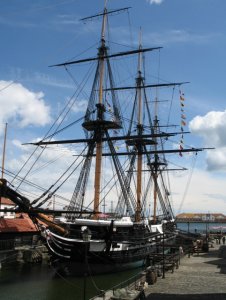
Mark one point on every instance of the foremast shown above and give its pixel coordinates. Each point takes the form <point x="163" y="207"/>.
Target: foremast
<point x="100" y="126"/>
<point x="101" y="54"/>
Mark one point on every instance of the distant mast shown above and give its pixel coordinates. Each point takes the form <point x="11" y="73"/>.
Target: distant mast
<point x="3" y="159"/>
<point x="4" y="148"/>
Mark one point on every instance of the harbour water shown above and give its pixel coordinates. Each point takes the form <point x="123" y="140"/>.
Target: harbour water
<point x="42" y="282"/>
<point x="202" y="227"/>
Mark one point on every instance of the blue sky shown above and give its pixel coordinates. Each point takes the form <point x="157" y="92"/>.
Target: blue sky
<point x="36" y="34"/>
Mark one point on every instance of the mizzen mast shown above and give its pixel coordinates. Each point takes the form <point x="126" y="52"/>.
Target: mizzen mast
<point x="139" y="133"/>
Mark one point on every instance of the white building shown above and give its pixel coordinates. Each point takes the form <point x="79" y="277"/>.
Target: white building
<point x="5" y="204"/>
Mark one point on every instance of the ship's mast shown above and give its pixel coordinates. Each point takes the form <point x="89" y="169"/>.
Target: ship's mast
<point x="4" y="148"/>
<point x="139" y="133"/>
<point x="97" y="179"/>
<point x="3" y="159"/>
<point x="155" y="173"/>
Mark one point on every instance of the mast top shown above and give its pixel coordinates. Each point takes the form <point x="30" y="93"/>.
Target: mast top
<point x="110" y="12"/>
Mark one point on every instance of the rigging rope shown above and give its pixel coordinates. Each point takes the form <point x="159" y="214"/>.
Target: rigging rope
<point x="53" y="192"/>
<point x="130" y="29"/>
<point x="54" y="123"/>
<point x="188" y="183"/>
<point x="65" y="111"/>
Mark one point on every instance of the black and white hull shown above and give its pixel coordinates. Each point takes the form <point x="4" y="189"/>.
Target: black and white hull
<point x="105" y="246"/>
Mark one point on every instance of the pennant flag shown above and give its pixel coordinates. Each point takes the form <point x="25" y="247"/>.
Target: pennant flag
<point x="180" y="154"/>
<point x="183" y="117"/>
<point x="181" y="98"/>
<point x="183" y="123"/>
<point x="181" y="148"/>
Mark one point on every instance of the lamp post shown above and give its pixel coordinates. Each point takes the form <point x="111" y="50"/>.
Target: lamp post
<point x="207" y="233"/>
<point x="86" y="235"/>
<point x="188" y="227"/>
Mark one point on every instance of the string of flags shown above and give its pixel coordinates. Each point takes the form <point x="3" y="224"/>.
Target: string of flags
<point x="183" y="121"/>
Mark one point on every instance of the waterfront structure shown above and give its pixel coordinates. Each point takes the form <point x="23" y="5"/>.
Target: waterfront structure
<point x="201" y="217"/>
<point x="17" y="232"/>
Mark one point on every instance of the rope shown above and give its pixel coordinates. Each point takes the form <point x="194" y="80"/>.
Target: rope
<point x="4" y="88"/>
<point x="130" y="29"/>
<point x="188" y="183"/>
<point x="52" y="193"/>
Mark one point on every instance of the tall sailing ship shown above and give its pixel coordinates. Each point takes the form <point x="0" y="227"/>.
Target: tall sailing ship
<point x="133" y="150"/>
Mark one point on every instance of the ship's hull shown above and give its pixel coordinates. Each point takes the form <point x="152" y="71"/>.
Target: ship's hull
<point x="114" y="248"/>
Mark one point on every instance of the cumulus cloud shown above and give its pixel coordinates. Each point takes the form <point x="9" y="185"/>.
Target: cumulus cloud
<point x="197" y="198"/>
<point x="216" y="159"/>
<point x="80" y="106"/>
<point x="154" y="1"/>
<point x="211" y="128"/>
<point x="22" y="106"/>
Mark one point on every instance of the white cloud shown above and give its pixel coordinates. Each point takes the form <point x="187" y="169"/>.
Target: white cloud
<point x="154" y="1"/>
<point x="80" y="106"/>
<point x="54" y="160"/>
<point x="204" y="193"/>
<point x="216" y="159"/>
<point x="22" y="106"/>
<point x="211" y="128"/>
<point x="178" y="36"/>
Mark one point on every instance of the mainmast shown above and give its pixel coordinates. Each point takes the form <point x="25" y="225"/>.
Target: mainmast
<point x="100" y="109"/>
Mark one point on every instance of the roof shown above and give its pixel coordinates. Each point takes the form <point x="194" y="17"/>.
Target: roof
<point x="7" y="201"/>
<point x="21" y="224"/>
<point x="200" y="215"/>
